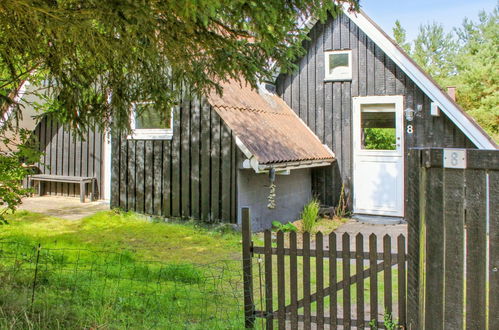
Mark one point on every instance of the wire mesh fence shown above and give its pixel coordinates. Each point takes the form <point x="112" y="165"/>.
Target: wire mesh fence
<point x="75" y="288"/>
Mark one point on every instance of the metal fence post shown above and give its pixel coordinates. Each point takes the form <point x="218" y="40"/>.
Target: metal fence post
<point x="249" y="306"/>
<point x="33" y="289"/>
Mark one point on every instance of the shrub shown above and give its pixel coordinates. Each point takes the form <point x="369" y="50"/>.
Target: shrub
<point x="288" y="227"/>
<point x="310" y="215"/>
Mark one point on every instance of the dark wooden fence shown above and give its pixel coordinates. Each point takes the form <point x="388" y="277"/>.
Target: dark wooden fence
<point x="453" y="215"/>
<point x="349" y="291"/>
<point x="66" y="153"/>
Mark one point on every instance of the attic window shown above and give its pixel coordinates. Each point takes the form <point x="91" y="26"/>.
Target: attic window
<point x="148" y="123"/>
<point x="338" y="65"/>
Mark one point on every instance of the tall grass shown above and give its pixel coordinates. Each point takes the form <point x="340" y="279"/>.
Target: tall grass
<point x="309" y="215"/>
<point x="82" y="289"/>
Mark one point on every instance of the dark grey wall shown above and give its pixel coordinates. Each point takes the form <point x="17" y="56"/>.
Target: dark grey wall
<point x="327" y="106"/>
<point x="64" y="153"/>
<point x="292" y="193"/>
<point x="192" y="175"/>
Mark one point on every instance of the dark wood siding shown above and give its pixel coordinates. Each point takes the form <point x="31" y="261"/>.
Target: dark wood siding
<point x="328" y="110"/>
<point x="193" y="175"/>
<point x="65" y="153"/>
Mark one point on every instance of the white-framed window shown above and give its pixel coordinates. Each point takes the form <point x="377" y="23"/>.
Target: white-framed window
<point x="147" y="123"/>
<point x="338" y="65"/>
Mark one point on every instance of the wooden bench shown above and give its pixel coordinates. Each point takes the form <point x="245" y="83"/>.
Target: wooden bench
<point x="82" y="180"/>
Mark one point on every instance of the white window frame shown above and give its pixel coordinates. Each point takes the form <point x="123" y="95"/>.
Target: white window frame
<point x="149" y="133"/>
<point x="346" y="76"/>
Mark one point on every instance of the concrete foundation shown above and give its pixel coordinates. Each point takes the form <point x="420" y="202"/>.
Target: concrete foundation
<point x="293" y="191"/>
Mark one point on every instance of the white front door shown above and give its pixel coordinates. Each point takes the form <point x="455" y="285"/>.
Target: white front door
<point x="378" y="155"/>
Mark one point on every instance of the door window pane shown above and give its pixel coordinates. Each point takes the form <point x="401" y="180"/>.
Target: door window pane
<point x="378" y="128"/>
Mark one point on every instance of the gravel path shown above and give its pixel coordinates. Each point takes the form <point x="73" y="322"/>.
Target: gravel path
<point x="63" y="207"/>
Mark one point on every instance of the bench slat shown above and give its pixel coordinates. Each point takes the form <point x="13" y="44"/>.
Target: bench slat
<point x="60" y="178"/>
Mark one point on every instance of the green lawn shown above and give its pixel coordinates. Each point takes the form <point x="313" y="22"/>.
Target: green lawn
<point x="117" y="270"/>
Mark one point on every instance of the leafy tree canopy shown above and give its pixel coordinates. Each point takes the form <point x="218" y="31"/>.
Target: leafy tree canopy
<point x="84" y="51"/>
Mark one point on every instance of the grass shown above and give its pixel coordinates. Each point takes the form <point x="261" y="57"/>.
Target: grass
<point x="151" y="275"/>
<point x="309" y="215"/>
<point x="115" y="231"/>
<point x="175" y="275"/>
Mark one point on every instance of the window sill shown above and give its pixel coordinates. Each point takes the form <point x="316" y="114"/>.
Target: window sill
<point x="337" y="80"/>
<point x="150" y="136"/>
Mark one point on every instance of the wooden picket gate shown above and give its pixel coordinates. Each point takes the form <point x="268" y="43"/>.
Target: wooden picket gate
<point x="286" y="273"/>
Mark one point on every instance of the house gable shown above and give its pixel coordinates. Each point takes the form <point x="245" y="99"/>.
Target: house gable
<point x="460" y="118"/>
<point x="326" y="106"/>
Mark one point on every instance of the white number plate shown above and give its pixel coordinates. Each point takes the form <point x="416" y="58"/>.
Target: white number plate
<point x="454" y="158"/>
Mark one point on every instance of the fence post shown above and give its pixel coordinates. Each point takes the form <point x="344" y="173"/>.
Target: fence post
<point x="412" y="207"/>
<point x="35" y="278"/>
<point x="249" y="307"/>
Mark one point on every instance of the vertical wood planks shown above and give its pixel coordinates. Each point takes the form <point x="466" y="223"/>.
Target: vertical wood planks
<point x="347" y="309"/>
<point x="413" y="230"/>
<point x="166" y="189"/>
<point x="306" y="281"/>
<point x="311" y="78"/>
<point x="476" y="248"/>
<point x="185" y="162"/>
<point x="373" y="277"/>
<point x="333" y="279"/>
<point x="359" y="270"/>
<point x="215" y="166"/>
<point x="281" y="281"/>
<point x="401" y="280"/>
<point x="435" y="259"/>
<point x="454" y="247"/>
<point x="131" y="198"/>
<point x="123" y="149"/>
<point x="387" y="273"/>
<point x="205" y="160"/>
<point x="157" y="176"/>
<point x="493" y="249"/>
<point x="175" y="165"/>
<point x="139" y="176"/>
<point x="269" y="308"/>
<point x="249" y="307"/>
<point x="195" y="154"/>
<point x="319" y="272"/>
<point x="225" y="163"/>
<point x="115" y="165"/>
<point x="293" y="280"/>
<point x="319" y="84"/>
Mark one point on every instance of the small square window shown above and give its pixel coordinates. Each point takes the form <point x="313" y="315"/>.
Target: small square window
<point x="148" y="123"/>
<point x="338" y="65"/>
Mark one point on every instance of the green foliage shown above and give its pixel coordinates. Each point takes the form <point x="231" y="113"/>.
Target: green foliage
<point x="309" y="215"/>
<point x="400" y="36"/>
<point x="284" y="227"/>
<point x="88" y="50"/>
<point x="467" y="59"/>
<point x="379" y="138"/>
<point x="434" y="51"/>
<point x="388" y="322"/>
<point x="13" y="157"/>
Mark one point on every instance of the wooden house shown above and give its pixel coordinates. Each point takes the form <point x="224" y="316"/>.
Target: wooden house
<point x="342" y="122"/>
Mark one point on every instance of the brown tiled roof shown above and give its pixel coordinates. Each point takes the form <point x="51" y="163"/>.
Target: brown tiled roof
<point x="267" y="126"/>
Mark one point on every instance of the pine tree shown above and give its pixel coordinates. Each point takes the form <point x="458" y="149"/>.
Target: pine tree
<point x="400" y="36"/>
<point x="434" y="51"/>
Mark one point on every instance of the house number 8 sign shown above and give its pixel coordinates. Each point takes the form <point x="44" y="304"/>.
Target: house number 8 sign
<point x="454" y="158"/>
<point x="410" y="129"/>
